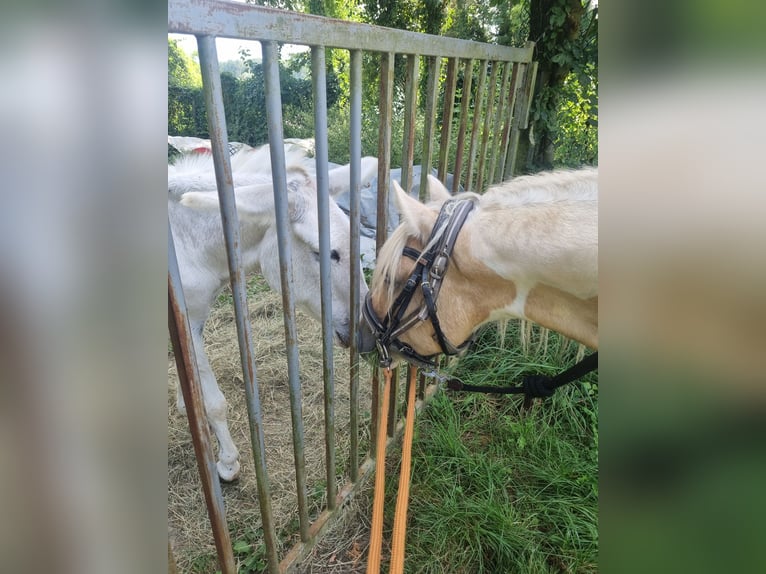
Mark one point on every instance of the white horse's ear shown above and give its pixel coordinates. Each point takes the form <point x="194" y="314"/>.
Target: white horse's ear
<point x="412" y="213"/>
<point x="340" y="176"/>
<point x="200" y="200"/>
<point x="253" y="201"/>
<point x="436" y="190"/>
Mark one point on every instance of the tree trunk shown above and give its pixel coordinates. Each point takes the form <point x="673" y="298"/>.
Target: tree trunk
<point x="535" y="149"/>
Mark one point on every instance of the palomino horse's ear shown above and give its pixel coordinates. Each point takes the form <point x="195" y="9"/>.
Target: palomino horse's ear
<point x="436" y="190"/>
<point x="412" y="213"/>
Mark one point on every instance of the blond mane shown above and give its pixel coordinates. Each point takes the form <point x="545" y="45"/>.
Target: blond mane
<point x="546" y="187"/>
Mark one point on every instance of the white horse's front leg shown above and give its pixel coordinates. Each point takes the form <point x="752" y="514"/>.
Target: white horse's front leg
<point x="216" y="410"/>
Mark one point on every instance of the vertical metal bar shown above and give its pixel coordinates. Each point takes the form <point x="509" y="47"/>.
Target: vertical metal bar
<point x="478" y="106"/>
<point x="432" y="92"/>
<point x="510" y="166"/>
<point x="529" y="90"/>
<point x="496" y="135"/>
<point x="449" y="106"/>
<point x="410" y="115"/>
<point x="391" y="417"/>
<point x="465" y="107"/>
<point x="503" y="167"/>
<point x="188" y="378"/>
<point x="276" y="144"/>
<point x="355" y="160"/>
<point x="211" y="81"/>
<point x="385" y="104"/>
<point x="487" y="127"/>
<point x="172" y="568"/>
<point x="319" y="82"/>
<point x="375" y="408"/>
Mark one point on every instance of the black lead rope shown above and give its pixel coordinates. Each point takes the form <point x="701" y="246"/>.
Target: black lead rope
<point x="534" y="386"/>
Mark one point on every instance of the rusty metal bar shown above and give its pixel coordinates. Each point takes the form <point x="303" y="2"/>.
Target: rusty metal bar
<point x="248" y="22"/>
<point x="487" y="128"/>
<point x="449" y="107"/>
<point x="496" y="134"/>
<point x="188" y="378"/>
<point x="172" y="568"/>
<point x="465" y="107"/>
<point x="478" y="106"/>
<point x="355" y="160"/>
<point x="319" y="82"/>
<point x="410" y="116"/>
<point x="503" y="166"/>
<point x="284" y="245"/>
<point x="211" y="82"/>
<point x="432" y="92"/>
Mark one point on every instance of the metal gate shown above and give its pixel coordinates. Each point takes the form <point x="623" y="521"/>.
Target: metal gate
<point x="497" y="104"/>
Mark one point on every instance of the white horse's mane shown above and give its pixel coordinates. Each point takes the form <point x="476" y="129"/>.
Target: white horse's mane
<point x="194" y="172"/>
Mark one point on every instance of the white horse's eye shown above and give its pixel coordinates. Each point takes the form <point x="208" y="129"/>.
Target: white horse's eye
<point x="334" y="255"/>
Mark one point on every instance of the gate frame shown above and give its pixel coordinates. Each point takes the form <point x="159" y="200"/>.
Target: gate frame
<point x="208" y="19"/>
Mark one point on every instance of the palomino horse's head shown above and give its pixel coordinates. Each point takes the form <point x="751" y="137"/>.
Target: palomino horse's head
<point x="526" y="249"/>
<point x="418" y="274"/>
<point x="255" y="207"/>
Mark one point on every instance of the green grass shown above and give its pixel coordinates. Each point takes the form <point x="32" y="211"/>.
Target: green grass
<point x="497" y="489"/>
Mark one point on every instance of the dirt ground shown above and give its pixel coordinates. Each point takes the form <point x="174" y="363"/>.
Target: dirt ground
<point x="188" y="524"/>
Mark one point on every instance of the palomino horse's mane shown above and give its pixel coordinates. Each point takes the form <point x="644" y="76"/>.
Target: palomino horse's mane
<point x="547" y="187"/>
<point x="390" y="256"/>
<point x="528" y="190"/>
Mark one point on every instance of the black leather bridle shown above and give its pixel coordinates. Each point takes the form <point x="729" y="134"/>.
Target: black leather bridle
<point x="431" y="266"/>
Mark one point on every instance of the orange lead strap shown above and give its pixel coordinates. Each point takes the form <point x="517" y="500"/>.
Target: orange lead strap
<point x="400" y="519"/>
<point x="376" y="535"/>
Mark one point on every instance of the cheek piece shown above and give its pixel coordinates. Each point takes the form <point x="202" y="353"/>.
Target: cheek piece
<point x="431" y="266"/>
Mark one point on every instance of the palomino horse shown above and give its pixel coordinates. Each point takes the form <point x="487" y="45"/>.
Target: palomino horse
<point x="198" y="235"/>
<point x="527" y="249"/>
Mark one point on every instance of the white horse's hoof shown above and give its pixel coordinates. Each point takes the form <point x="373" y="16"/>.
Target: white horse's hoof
<point x="228" y="472"/>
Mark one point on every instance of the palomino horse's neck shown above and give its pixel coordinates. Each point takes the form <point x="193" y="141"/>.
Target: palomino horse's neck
<point x="536" y="261"/>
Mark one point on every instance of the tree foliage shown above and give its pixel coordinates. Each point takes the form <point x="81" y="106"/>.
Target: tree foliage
<point x="564" y="112"/>
<point x="186" y="110"/>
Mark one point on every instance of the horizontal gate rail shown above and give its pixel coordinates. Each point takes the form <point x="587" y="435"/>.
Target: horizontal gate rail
<point x="248" y="22"/>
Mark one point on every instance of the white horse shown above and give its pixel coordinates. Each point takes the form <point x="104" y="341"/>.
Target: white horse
<point x="527" y="250"/>
<point x="198" y="235"/>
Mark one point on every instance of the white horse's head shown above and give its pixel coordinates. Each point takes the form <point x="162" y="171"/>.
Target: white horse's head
<point x="255" y="207"/>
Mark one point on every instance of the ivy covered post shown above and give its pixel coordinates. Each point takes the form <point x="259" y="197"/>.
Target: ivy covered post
<point x="565" y="32"/>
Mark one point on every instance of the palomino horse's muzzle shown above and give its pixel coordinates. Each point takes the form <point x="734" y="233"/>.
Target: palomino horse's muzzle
<point x="431" y="266"/>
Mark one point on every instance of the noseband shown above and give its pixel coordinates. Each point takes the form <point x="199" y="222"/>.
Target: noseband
<point x="430" y="268"/>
